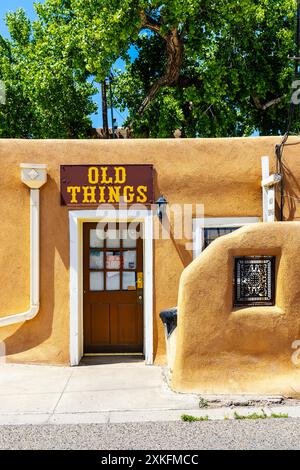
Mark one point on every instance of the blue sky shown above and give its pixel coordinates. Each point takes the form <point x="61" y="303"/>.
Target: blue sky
<point x="12" y="5"/>
<point x="28" y="6"/>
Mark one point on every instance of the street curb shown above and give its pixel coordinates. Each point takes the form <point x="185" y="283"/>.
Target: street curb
<point x="140" y="416"/>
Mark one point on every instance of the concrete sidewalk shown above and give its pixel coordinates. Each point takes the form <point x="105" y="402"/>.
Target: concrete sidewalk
<point x="106" y="392"/>
<point x="95" y="393"/>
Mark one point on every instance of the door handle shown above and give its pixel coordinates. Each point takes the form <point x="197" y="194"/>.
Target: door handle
<point x="140" y="296"/>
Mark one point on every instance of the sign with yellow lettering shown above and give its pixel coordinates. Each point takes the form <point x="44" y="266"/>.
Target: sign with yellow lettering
<point x="92" y="185"/>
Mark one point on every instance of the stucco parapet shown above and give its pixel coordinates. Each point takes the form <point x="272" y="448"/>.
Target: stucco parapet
<point x="213" y="336"/>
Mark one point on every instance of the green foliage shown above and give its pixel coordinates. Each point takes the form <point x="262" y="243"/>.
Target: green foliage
<point x="234" y="52"/>
<point x="261" y="415"/>
<point x="46" y="96"/>
<point x="233" y="77"/>
<point x="279" y="415"/>
<point x="203" y="403"/>
<point x="190" y="419"/>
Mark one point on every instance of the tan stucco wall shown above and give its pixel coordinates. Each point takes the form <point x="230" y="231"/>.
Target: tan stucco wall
<point x="221" y="349"/>
<point x="224" y="174"/>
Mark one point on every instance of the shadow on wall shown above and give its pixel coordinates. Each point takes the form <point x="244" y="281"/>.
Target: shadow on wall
<point x="226" y="349"/>
<point x="54" y="237"/>
<point x="184" y="255"/>
<point x="291" y="189"/>
<point x="170" y="257"/>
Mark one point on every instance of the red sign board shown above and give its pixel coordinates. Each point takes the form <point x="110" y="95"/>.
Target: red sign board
<point x="92" y="185"/>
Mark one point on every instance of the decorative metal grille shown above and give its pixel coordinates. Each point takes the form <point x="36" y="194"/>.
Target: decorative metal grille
<point x="254" y="280"/>
<point x="211" y="234"/>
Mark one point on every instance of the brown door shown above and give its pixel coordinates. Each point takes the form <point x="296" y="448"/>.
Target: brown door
<point x="113" y="288"/>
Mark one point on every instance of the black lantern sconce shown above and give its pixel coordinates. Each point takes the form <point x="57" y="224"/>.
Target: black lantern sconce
<point x="161" y="204"/>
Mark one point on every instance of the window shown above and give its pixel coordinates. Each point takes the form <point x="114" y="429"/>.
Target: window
<point x="112" y="259"/>
<point x="254" y="280"/>
<point x="206" y="230"/>
<point x="210" y="234"/>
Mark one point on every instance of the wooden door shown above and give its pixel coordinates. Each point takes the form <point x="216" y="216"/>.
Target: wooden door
<point x="113" y="288"/>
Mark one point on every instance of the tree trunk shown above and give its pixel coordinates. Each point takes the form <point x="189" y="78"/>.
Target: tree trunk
<point x="174" y="48"/>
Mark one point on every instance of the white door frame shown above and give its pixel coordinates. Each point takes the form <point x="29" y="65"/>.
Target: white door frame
<point x="76" y="220"/>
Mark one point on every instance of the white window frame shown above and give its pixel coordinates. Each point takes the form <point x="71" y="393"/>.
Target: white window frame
<point x="199" y="224"/>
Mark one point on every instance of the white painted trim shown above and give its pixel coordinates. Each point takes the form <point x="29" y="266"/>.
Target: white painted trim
<point x="265" y="174"/>
<point x="268" y="184"/>
<point x="76" y="351"/>
<point x="199" y="224"/>
<point x="211" y="222"/>
<point x="197" y="237"/>
<point x="76" y="220"/>
<point x="272" y="180"/>
<point x="34" y="265"/>
<point x="37" y="166"/>
<point x="34" y="186"/>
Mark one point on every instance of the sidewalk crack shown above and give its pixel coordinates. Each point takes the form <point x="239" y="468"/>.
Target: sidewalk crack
<point x="63" y="391"/>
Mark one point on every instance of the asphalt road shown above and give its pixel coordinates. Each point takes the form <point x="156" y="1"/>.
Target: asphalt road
<point x="258" y="434"/>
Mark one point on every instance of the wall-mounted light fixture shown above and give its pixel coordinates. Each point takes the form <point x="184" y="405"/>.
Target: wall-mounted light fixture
<point x="161" y="204"/>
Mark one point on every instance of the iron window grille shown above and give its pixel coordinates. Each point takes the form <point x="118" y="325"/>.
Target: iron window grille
<point x="254" y="281"/>
<point x="211" y="234"/>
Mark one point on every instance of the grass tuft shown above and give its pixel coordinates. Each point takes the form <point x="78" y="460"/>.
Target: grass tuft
<point x="261" y="415"/>
<point x="203" y="403"/>
<point x="279" y="415"/>
<point x="190" y="419"/>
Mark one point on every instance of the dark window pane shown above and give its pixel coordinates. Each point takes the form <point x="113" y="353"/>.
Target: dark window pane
<point x="210" y="234"/>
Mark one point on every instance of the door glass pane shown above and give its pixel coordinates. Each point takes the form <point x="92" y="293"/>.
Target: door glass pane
<point x="97" y="238"/>
<point x="129" y="238"/>
<point x="113" y="260"/>
<point x="112" y="281"/>
<point x="113" y="238"/>
<point x="96" y="259"/>
<point x="129" y="259"/>
<point x="128" y="281"/>
<point x="96" y="281"/>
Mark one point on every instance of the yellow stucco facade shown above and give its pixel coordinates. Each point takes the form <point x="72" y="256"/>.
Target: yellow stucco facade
<point x="222" y="174"/>
<point x="222" y="349"/>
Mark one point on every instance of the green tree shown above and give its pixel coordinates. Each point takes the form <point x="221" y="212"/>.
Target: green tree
<point x="206" y="67"/>
<point x="209" y="68"/>
<point x="46" y="96"/>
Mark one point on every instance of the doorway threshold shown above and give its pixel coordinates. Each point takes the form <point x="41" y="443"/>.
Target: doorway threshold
<point x="113" y="354"/>
<point x="106" y="358"/>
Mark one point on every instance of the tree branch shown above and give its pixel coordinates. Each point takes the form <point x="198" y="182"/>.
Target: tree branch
<point x="185" y="81"/>
<point x="267" y="104"/>
<point x="149" y="23"/>
<point x="174" y="49"/>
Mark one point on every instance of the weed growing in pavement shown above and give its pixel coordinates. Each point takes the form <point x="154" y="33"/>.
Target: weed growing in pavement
<point x="190" y="419"/>
<point x="263" y="415"/>
<point x="203" y="403"/>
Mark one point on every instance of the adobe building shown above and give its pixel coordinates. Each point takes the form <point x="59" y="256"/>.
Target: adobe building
<point x="74" y="286"/>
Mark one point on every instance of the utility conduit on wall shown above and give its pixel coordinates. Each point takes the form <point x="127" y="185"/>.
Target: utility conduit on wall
<point x="34" y="176"/>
